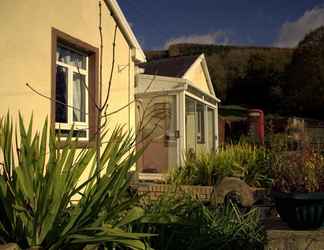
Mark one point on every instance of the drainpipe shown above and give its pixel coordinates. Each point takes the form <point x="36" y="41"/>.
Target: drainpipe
<point x="129" y="86"/>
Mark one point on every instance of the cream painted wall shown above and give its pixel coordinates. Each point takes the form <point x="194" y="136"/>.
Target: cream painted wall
<point x="25" y="48"/>
<point x="197" y="76"/>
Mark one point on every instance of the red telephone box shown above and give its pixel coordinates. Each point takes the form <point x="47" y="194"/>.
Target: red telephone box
<point x="256" y="125"/>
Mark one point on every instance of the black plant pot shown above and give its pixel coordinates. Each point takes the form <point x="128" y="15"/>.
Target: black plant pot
<point x="301" y="211"/>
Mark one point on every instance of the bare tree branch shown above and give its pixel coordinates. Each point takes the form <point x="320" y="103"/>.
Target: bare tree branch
<point x="131" y="102"/>
<point x="51" y="99"/>
<point x="101" y="56"/>
<point x="92" y="99"/>
<point x="112" y="68"/>
<point x="99" y="109"/>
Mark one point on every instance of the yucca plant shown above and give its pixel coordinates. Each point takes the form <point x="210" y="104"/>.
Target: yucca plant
<point x="56" y="198"/>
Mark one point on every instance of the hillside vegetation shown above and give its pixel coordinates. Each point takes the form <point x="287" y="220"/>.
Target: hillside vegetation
<point x="277" y="80"/>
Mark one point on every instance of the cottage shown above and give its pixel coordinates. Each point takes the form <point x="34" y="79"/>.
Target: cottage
<point x="50" y="66"/>
<point x="54" y="46"/>
<point x="177" y="111"/>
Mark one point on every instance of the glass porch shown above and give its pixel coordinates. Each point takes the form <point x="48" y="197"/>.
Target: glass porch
<point x="171" y="124"/>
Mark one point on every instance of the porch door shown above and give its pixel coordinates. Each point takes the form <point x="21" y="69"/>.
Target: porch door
<point x="191" y="125"/>
<point x="162" y="152"/>
<point x="171" y="140"/>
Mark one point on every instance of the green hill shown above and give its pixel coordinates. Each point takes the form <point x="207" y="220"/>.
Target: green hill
<point x="254" y="77"/>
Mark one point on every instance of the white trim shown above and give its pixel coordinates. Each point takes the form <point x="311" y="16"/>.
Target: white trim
<point x="182" y="126"/>
<point x="126" y="29"/>
<point x="206" y="71"/>
<point x="216" y="129"/>
<point x="204" y="93"/>
<point x="178" y="125"/>
<point x="215" y="133"/>
<point x="161" y="92"/>
<point x="184" y="83"/>
<point x="146" y="84"/>
<point x="200" y="100"/>
<point x="163" y="78"/>
<point x="152" y="177"/>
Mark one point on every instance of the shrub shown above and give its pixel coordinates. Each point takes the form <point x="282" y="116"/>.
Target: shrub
<point x="248" y="162"/>
<point x="298" y="171"/>
<point x="295" y="166"/>
<point x="182" y="222"/>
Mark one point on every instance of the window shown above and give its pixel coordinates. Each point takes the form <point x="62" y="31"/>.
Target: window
<point x="74" y="80"/>
<point x="195" y="123"/>
<point x="200" y="125"/>
<point x="71" y="87"/>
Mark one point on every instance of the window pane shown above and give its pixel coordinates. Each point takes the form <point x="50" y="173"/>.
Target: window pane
<point x="78" y="60"/>
<point x="158" y="116"/>
<point x="190" y="124"/>
<point x="71" y="57"/>
<point x="61" y="94"/>
<point x="211" y="129"/>
<point x="79" y="98"/>
<point x="200" y="123"/>
<point x="63" y="55"/>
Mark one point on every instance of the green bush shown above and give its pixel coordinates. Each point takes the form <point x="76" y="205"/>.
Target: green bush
<point x="248" y="162"/>
<point x="182" y="222"/>
<point x="40" y="182"/>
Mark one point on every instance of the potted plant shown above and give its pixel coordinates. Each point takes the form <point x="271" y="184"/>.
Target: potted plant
<point x="298" y="188"/>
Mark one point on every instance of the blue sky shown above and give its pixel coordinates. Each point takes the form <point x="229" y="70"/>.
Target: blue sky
<point x="280" y="23"/>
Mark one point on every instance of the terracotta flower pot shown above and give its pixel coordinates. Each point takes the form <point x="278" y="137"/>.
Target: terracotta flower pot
<point x="300" y="211"/>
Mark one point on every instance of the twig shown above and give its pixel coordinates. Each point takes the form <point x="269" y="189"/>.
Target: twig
<point x="101" y="55"/>
<point x="86" y="87"/>
<point x="112" y="68"/>
<point x="131" y="102"/>
<point x="120" y="109"/>
<point x="51" y="99"/>
<point x="99" y="109"/>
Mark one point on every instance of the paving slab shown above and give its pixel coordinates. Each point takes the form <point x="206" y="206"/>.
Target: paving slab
<point x="281" y="237"/>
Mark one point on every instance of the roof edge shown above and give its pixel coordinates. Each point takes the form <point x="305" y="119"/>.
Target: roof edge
<point x="122" y="22"/>
<point x="178" y="80"/>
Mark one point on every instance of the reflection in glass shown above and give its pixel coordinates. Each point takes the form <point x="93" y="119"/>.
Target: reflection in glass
<point x="200" y="123"/>
<point x="61" y="94"/>
<point x="70" y="57"/>
<point x="79" y="100"/>
<point x="158" y="115"/>
<point x="190" y="124"/>
<point x="211" y="129"/>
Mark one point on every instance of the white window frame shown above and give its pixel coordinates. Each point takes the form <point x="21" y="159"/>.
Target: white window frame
<point x="70" y="71"/>
<point x="206" y="106"/>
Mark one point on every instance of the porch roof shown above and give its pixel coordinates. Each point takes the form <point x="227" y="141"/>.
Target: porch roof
<point x="149" y="84"/>
<point x="170" y="67"/>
